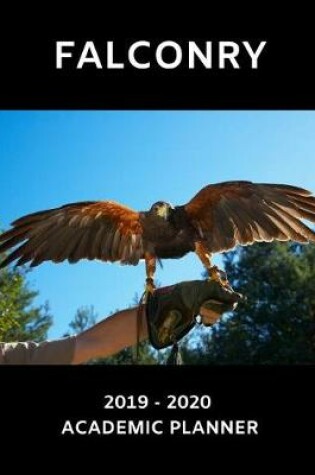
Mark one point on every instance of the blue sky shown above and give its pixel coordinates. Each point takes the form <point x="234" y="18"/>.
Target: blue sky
<point x="51" y="158"/>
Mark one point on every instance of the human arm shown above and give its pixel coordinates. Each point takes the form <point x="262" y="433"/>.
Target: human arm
<point x="111" y="335"/>
<point x="120" y="331"/>
<point x="106" y="338"/>
<point x="123" y="329"/>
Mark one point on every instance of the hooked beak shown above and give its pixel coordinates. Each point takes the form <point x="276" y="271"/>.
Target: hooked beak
<point x="163" y="212"/>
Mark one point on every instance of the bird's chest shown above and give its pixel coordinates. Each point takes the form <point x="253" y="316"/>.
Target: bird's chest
<point x="158" y="230"/>
<point x="166" y="239"/>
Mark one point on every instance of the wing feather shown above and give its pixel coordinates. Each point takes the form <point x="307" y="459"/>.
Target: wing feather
<point x="242" y="212"/>
<point x="88" y="230"/>
<point x="95" y="251"/>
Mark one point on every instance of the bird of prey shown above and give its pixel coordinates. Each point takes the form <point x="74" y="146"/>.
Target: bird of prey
<point x="216" y="219"/>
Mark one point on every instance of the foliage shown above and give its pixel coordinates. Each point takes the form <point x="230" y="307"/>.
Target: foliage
<point x="128" y="356"/>
<point x="20" y="319"/>
<point x="85" y="317"/>
<point x="276" y="324"/>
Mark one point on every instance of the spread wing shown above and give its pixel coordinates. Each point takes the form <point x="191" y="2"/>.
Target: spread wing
<point x="241" y="212"/>
<point x="102" y="230"/>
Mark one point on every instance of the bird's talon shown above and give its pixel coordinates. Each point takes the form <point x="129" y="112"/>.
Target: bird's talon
<point x="217" y="275"/>
<point x="149" y="287"/>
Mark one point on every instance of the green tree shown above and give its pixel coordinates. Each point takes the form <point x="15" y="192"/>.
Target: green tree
<point x="276" y="324"/>
<point x="85" y="317"/>
<point x="128" y="356"/>
<point x="20" y="319"/>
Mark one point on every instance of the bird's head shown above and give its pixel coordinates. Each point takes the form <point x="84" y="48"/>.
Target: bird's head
<point x="161" y="209"/>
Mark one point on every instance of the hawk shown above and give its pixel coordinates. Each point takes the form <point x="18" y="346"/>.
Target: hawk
<point x="218" y="218"/>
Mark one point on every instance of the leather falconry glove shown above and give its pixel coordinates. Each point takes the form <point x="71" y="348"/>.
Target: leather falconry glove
<point x="171" y="311"/>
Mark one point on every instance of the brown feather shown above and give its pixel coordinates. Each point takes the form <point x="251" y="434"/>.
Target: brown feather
<point x="70" y="246"/>
<point x="305" y="204"/>
<point x="115" y="245"/>
<point x="74" y="231"/>
<point x="14" y="232"/>
<point x="107" y="242"/>
<point x="298" y="226"/>
<point x="123" y="246"/>
<point x="258" y="212"/>
<point x="39" y="256"/>
<point x="80" y="251"/>
<point x="224" y="231"/>
<point x="125" y="249"/>
<point x="56" y="247"/>
<point x="35" y="238"/>
<point x="244" y="220"/>
<point x="270" y="221"/>
<point x="307" y="215"/>
<point x="74" y="255"/>
<point x="241" y="231"/>
<point x="86" y="221"/>
<point x="289" y="189"/>
<point x="296" y="211"/>
<point x="12" y="242"/>
<point x="13" y="256"/>
<point x="75" y="221"/>
<point x="285" y="225"/>
<point x="31" y="219"/>
<point x="95" y="249"/>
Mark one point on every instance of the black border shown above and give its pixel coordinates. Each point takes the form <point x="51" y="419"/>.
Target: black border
<point x="35" y="399"/>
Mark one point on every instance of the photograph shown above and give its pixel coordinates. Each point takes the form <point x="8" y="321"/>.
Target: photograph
<point x="157" y="237"/>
